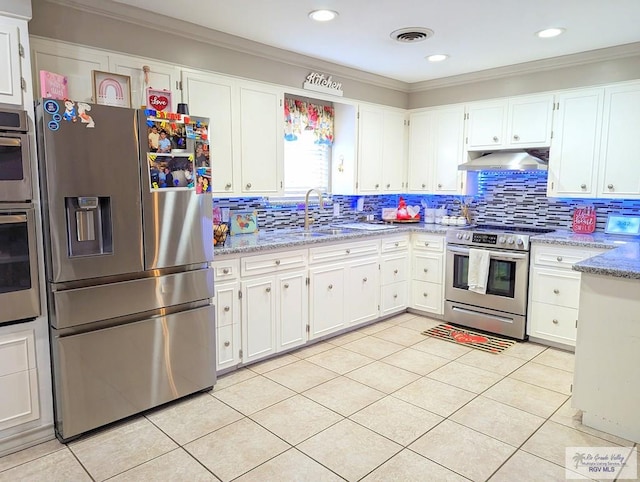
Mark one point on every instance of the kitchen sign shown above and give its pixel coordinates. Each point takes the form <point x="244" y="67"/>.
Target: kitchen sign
<point x="584" y="219"/>
<point x="322" y="83"/>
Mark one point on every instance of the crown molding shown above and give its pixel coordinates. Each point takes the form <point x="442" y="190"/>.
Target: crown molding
<point x="572" y="60"/>
<point x="137" y="16"/>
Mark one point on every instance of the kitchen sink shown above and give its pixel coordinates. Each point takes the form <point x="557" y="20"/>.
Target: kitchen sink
<point x="334" y="231"/>
<point x="307" y="234"/>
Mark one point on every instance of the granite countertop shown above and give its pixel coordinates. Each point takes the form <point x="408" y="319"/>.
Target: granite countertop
<point x="279" y="239"/>
<point x="621" y="260"/>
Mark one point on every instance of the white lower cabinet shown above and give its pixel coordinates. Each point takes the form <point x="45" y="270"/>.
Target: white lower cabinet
<point x="326" y="304"/>
<point x="18" y="377"/>
<point x="394" y="268"/>
<point x="258" y="318"/>
<point x="227" y="303"/>
<point x="554" y="292"/>
<point x="293" y="310"/>
<point x="427" y="273"/>
<point x="361" y="291"/>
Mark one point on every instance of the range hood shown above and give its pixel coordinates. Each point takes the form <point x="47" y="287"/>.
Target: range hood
<point x="504" y="161"/>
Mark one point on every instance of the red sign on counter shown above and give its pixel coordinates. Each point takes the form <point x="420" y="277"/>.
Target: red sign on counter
<point x="584" y="220"/>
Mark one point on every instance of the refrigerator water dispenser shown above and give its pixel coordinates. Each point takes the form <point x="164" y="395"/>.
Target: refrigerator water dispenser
<point x="89" y="227"/>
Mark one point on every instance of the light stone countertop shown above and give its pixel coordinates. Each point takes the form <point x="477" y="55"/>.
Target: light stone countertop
<point x="268" y="240"/>
<point x="621" y="260"/>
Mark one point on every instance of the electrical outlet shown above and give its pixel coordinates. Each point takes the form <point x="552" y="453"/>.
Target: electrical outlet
<point x="336" y="210"/>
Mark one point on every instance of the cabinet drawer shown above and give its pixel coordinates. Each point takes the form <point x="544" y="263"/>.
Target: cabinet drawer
<point x="428" y="242"/>
<point x="228" y="339"/>
<point x="556" y="287"/>
<point x="270" y="263"/>
<point x="427" y="296"/>
<point x="395" y="269"/>
<point x="555" y="323"/>
<point x="396" y="243"/>
<point x="427" y="267"/>
<point x="225" y="270"/>
<point x="346" y="251"/>
<point x="561" y="257"/>
<point x="394" y="297"/>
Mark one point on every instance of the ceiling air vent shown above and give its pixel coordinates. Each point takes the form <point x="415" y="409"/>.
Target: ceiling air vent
<point x="411" y="34"/>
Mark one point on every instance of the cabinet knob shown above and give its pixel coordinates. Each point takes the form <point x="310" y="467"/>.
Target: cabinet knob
<point x="396" y="244"/>
<point x="286" y="285"/>
<point x="424" y="294"/>
<point x="227" y="308"/>
<point x="395" y="271"/>
<point x="388" y="186"/>
<point x="610" y="186"/>
<point x="227" y="343"/>
<point x="330" y="287"/>
<point x="495" y="138"/>
<point x="364" y="280"/>
<point x="439" y="186"/>
<point x="227" y="185"/>
<point x="426" y="270"/>
<point x="225" y="270"/>
<point x="426" y="243"/>
<point x="277" y="262"/>
<point x="516" y="137"/>
<point x="248" y="185"/>
<point x="268" y="290"/>
<point x="424" y="185"/>
<point x="348" y="251"/>
<point x="556" y="291"/>
<point x="583" y="186"/>
<point x="559" y="258"/>
<point x="395" y="295"/>
<point x="377" y="186"/>
<point x="554" y="321"/>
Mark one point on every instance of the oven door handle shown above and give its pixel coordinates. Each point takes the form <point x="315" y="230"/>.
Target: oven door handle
<point x="10" y="142"/>
<point x="12" y="218"/>
<point x="499" y="255"/>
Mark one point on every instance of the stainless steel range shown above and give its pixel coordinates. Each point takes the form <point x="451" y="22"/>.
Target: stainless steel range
<point x="502" y="309"/>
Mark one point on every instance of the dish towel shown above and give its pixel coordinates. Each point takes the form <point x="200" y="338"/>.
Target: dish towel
<point x="478" y="270"/>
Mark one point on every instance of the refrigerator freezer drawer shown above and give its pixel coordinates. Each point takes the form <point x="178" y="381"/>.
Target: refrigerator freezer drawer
<point x="106" y="375"/>
<point x="102" y="302"/>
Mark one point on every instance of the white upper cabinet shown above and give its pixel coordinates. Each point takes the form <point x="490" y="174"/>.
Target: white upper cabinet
<point x="74" y="62"/>
<point x="370" y="147"/>
<point x="619" y="163"/>
<point x="435" y="150"/>
<point x="261" y="139"/>
<point x="394" y="159"/>
<point x="573" y="157"/>
<point x="510" y="123"/>
<point x="160" y="76"/>
<point x="216" y="97"/>
<point x="10" y="65"/>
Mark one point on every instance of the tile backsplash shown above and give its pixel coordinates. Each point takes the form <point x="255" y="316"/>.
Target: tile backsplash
<point x="504" y="197"/>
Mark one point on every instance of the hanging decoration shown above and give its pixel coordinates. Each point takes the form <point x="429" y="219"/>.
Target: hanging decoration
<point x="300" y="116"/>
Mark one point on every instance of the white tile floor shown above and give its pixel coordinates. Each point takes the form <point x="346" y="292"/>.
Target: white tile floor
<point x="383" y="403"/>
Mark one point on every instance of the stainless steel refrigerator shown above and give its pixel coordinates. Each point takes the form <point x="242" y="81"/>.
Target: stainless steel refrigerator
<point x="127" y="263"/>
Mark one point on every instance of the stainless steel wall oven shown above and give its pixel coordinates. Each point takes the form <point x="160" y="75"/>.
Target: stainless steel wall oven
<point x="15" y="156"/>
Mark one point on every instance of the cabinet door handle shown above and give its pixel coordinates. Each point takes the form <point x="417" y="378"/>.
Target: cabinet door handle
<point x="348" y="251"/>
<point x="226" y="308"/>
<point x="227" y="343"/>
<point x="424" y="294"/>
<point x="277" y="262"/>
<point x="556" y="291"/>
<point x="559" y="258"/>
<point x="248" y="185"/>
<point x="554" y="321"/>
<point x="286" y="285"/>
<point x="227" y="185"/>
<point x="516" y="137"/>
<point x="225" y="270"/>
<point x="268" y="290"/>
<point x="377" y="186"/>
<point x="395" y="295"/>
<point x="426" y="270"/>
<point x="396" y="244"/>
<point x="610" y="186"/>
<point x="364" y="280"/>
<point x="495" y="138"/>
<point x="439" y="186"/>
<point x="388" y="186"/>
<point x="424" y="185"/>
<point x="583" y="186"/>
<point x="426" y="243"/>
<point x="395" y="271"/>
<point x="330" y="287"/>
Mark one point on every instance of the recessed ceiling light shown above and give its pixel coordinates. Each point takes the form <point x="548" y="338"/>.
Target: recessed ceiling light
<point x="322" y="15"/>
<point x="550" y="32"/>
<point x="437" y="57"/>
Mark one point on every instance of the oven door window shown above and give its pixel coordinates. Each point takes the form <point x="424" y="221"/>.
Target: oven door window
<point x="11" y="159"/>
<point x="500" y="282"/>
<point x="15" y="274"/>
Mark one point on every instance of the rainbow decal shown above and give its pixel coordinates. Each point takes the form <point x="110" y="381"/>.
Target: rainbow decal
<point x="108" y="87"/>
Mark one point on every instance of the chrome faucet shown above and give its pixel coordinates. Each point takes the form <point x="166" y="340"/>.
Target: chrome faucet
<point x="307" y="219"/>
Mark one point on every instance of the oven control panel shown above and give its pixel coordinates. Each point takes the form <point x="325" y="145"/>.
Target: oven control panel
<point x="469" y="237"/>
